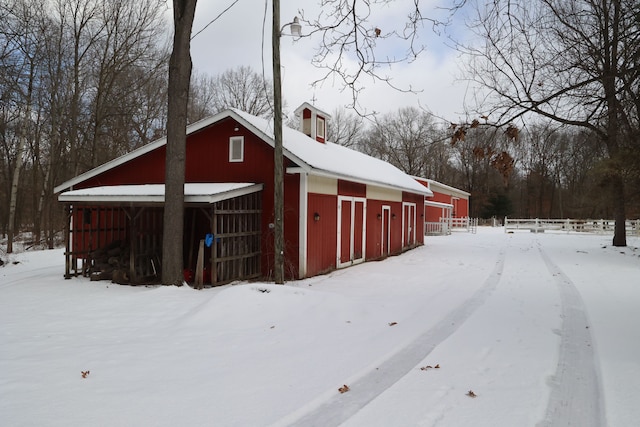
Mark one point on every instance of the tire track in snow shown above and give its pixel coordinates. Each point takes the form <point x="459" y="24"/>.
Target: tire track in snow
<point x="30" y="275"/>
<point x="576" y="389"/>
<point x="341" y="407"/>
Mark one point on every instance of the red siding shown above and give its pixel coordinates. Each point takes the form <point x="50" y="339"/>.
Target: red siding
<point x="463" y="208"/>
<point x="460" y="206"/>
<point x="322" y="234"/>
<point x="396" y="227"/>
<point x="374" y="229"/>
<point x="207" y="154"/>
<point x="348" y="188"/>
<point x="291" y="221"/>
<point x="420" y="214"/>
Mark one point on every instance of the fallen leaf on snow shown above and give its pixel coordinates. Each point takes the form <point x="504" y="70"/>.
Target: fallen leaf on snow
<point x="393" y="323"/>
<point x="426" y="368"/>
<point x="345" y="388"/>
<point x="470" y="393"/>
<point x="85" y="373"/>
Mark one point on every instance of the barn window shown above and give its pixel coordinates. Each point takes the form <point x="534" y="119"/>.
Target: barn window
<point x="320" y="127"/>
<point x="236" y="149"/>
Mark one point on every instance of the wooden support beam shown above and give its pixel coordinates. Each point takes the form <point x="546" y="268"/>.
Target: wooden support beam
<point x="200" y="266"/>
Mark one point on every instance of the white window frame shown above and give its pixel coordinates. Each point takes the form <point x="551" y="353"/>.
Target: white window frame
<point x="232" y="143"/>
<point x="321" y="130"/>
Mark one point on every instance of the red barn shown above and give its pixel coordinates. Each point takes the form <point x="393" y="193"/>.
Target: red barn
<point x="447" y="204"/>
<point x="342" y="207"/>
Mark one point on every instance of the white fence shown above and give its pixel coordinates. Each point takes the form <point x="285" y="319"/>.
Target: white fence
<point x="446" y="225"/>
<point x="605" y="226"/>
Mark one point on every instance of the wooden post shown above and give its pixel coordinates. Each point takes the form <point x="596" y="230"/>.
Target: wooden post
<point x="200" y="266"/>
<point x="132" y="246"/>
<point x="192" y="238"/>
<point x="214" y="248"/>
<point x="67" y="242"/>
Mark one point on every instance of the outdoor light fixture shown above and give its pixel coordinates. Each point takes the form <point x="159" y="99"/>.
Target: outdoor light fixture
<point x="379" y="216"/>
<point x="393" y="216"/>
<point x="296" y="28"/>
<point x="316" y="216"/>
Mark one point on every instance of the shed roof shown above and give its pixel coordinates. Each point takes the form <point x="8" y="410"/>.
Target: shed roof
<point x="154" y="193"/>
<point x="327" y="159"/>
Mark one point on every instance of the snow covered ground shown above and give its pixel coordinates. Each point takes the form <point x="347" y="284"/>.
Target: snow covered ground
<point x="543" y="329"/>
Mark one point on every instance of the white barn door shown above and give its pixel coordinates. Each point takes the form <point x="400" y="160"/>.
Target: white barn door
<point x="351" y="230"/>
<point x="385" y="248"/>
<point x="408" y="224"/>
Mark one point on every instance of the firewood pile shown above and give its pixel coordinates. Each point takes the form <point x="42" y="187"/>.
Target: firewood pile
<point x="109" y="263"/>
<point x="112" y="262"/>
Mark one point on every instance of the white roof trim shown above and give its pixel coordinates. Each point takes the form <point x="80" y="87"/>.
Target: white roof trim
<point x="445" y="186"/>
<point x="313" y="108"/>
<point x="438" y="204"/>
<point x="154" y="193"/>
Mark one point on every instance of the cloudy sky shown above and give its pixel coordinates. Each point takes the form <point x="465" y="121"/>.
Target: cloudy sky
<point x="236" y="39"/>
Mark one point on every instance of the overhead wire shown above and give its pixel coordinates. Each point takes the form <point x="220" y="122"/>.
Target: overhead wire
<point x="215" y="19"/>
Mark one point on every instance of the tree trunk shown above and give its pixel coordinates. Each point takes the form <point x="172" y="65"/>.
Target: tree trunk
<point x="618" y="200"/>
<point x="179" y="77"/>
<point x="13" y="202"/>
<point x="22" y="143"/>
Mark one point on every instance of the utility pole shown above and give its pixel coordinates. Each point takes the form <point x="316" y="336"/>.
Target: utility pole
<point x="278" y="190"/>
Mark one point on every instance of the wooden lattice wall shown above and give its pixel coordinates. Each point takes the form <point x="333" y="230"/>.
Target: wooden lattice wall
<point x="236" y="228"/>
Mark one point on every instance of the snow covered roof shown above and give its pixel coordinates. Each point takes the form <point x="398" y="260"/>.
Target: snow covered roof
<point x="304" y="105"/>
<point x="331" y="159"/>
<point x="442" y="186"/>
<point x="315" y="158"/>
<point x="154" y="193"/>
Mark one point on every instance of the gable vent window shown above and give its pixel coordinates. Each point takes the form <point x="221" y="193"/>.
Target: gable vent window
<point x="320" y="127"/>
<point x="236" y="149"/>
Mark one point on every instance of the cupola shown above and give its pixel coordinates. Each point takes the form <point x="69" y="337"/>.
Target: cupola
<point x="313" y="121"/>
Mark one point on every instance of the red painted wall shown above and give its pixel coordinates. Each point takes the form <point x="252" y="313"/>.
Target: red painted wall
<point x="207" y="154"/>
<point x="463" y="208"/>
<point x="208" y="161"/>
<point x="374" y="229"/>
<point x="354" y="189"/>
<point x="322" y="234"/>
<point x="420" y="214"/>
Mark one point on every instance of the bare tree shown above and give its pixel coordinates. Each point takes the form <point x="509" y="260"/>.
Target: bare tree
<point x="125" y="57"/>
<point x="179" y="77"/>
<point x="353" y="50"/>
<point x="77" y="83"/>
<point x="478" y="154"/>
<point x="406" y="138"/>
<point x="22" y="55"/>
<point x="244" y="89"/>
<point x="240" y="88"/>
<point x="572" y="62"/>
<point x="345" y="128"/>
<point x="200" y="97"/>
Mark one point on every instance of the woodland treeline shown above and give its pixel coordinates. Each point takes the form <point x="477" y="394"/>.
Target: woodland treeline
<point x="85" y="81"/>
